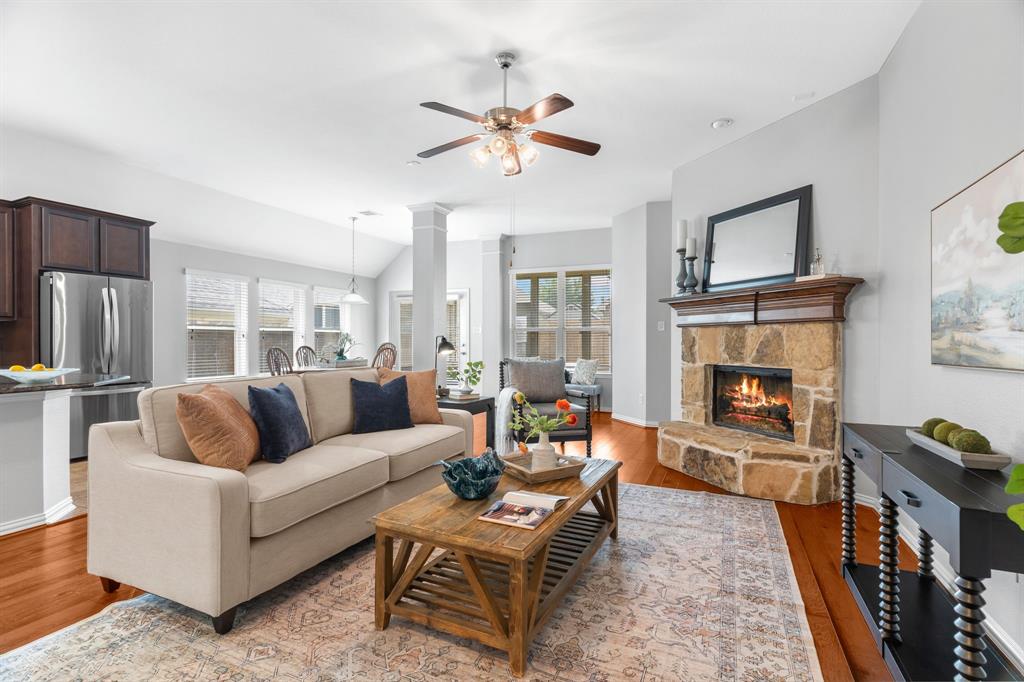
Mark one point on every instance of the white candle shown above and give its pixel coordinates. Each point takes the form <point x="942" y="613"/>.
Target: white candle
<point x="680" y="232"/>
<point x="691" y="247"/>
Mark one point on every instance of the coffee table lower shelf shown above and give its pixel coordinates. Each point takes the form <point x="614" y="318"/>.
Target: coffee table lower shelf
<point x="501" y="604"/>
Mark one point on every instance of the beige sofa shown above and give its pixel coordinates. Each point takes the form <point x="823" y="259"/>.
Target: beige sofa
<point x="212" y="538"/>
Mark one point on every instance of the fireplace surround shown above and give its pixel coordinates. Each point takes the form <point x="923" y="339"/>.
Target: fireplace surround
<point x="789" y="336"/>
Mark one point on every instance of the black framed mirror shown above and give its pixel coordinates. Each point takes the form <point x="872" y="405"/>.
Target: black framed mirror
<point x="766" y="242"/>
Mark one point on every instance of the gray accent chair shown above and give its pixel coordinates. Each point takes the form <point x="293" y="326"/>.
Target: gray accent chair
<point x="543" y="383"/>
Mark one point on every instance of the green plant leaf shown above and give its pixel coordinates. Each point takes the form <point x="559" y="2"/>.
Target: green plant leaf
<point x="1015" y="486"/>
<point x="1011" y="220"/>
<point x="1010" y="244"/>
<point x="1016" y="514"/>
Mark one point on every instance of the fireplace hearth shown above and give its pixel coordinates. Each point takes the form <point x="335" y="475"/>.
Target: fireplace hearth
<point x="754" y="399"/>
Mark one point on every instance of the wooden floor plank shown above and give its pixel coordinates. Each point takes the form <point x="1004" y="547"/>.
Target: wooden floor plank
<point x="44" y="586"/>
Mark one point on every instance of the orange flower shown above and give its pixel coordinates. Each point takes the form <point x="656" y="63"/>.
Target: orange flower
<point x="563" y="405"/>
<point x="571" y="419"/>
<point x="519" y="398"/>
<point x="522" y="446"/>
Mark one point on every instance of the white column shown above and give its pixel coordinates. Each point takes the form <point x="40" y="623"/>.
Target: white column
<point x="494" y="321"/>
<point x="429" y="280"/>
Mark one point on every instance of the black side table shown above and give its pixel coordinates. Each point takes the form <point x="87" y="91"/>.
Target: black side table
<point x="476" y="406"/>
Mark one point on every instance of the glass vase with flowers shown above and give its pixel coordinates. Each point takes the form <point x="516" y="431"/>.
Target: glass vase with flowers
<point x="529" y="422"/>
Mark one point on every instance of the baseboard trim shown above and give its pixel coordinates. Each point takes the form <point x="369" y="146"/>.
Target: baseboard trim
<point x="907" y="530"/>
<point x="24" y="523"/>
<point x="59" y="510"/>
<point x="634" y="421"/>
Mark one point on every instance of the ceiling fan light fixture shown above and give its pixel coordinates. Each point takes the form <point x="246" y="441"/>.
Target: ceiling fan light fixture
<point x="498" y="145"/>
<point x="528" y="154"/>
<point x="510" y="164"/>
<point x="480" y="156"/>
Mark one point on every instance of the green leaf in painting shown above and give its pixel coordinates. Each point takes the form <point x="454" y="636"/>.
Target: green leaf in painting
<point x="1010" y="244"/>
<point x="1016" y="484"/>
<point x="1011" y="220"/>
<point x="1016" y="514"/>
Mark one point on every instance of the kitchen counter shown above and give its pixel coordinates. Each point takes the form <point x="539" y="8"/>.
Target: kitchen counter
<point x="66" y="382"/>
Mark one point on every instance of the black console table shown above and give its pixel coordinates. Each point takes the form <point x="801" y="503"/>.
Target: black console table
<point x="922" y="631"/>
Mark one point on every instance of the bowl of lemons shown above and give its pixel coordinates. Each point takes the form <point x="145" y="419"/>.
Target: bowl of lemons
<point x="34" y="374"/>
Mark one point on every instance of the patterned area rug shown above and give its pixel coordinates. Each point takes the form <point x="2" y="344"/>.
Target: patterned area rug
<point x="697" y="587"/>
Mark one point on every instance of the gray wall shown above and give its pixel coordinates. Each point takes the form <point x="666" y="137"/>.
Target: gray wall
<point x="833" y="145"/>
<point x="169" y="261"/>
<point x="951" y="108"/>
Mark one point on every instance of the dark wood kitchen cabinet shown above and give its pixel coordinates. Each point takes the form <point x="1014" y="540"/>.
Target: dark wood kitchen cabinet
<point x="8" y="310"/>
<point x="50" y="235"/>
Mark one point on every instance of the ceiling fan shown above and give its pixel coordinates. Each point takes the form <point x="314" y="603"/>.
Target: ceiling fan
<point x="507" y="127"/>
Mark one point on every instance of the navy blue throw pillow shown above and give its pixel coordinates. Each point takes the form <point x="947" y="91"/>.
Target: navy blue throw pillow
<point x="279" y="421"/>
<point x="381" y="408"/>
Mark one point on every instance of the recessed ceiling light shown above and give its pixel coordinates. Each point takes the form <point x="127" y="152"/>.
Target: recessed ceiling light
<point x="369" y="213"/>
<point x="804" y="96"/>
<point x="414" y="162"/>
<point x="721" y="123"/>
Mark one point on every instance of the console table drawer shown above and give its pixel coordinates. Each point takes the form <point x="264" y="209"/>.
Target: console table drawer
<point x="864" y="456"/>
<point x="936" y="514"/>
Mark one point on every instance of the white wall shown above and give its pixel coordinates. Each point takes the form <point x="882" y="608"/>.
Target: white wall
<point x="168" y="263"/>
<point x="833" y="145"/>
<point x="640" y="239"/>
<point x="951" y="108"/>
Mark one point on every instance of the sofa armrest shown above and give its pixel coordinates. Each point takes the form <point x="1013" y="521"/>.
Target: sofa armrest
<point x="463" y="420"/>
<point x="176" y="529"/>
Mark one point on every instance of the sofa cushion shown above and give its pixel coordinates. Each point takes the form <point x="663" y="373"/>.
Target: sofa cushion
<point x="410" y="450"/>
<point x="307" y="483"/>
<point x="279" y="421"/>
<point x="157" y="410"/>
<point x="422" y="393"/>
<point x="542" y="382"/>
<point x="218" y="429"/>
<point x="329" y="396"/>
<point x="381" y="408"/>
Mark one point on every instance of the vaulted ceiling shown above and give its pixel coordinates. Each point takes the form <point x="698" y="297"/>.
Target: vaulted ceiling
<point x="313" y="106"/>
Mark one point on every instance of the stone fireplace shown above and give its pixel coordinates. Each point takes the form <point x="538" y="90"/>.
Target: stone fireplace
<point x="761" y="401"/>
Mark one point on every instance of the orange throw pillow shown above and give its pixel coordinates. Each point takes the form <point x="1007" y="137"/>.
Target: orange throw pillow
<point x="422" y="394"/>
<point x="220" y="432"/>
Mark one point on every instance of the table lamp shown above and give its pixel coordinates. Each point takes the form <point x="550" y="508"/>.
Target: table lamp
<point x="445" y="348"/>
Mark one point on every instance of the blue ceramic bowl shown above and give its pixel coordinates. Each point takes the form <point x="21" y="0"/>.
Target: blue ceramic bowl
<point x="473" y="478"/>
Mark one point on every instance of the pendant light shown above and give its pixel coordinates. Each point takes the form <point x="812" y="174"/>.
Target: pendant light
<point x="353" y="295"/>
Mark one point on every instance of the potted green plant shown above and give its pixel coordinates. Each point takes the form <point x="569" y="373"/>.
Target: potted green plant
<point x="468" y="377"/>
<point x="346" y="343"/>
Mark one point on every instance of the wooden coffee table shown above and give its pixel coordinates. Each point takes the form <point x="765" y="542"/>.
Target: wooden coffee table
<point x="490" y="582"/>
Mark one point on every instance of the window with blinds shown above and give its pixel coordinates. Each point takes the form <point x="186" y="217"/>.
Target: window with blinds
<point x="282" y="318"/>
<point x="455" y="334"/>
<point x="404" y="332"/>
<point x="217" y="313"/>
<point x="330" y="318"/>
<point x="563" y="313"/>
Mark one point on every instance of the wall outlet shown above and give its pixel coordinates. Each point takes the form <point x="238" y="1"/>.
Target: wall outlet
<point x="661" y="325"/>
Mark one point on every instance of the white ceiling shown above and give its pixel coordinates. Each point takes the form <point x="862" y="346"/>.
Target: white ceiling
<point x="312" y="106"/>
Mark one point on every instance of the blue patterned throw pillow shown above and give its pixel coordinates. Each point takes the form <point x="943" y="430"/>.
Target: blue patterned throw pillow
<point x="279" y="421"/>
<point x="381" y="407"/>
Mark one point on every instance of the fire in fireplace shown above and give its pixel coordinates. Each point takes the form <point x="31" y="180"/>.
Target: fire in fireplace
<point x="756" y="399"/>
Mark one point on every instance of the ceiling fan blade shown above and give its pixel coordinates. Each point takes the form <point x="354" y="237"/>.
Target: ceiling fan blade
<point x="551" y="104"/>
<point x="445" y="109"/>
<point x="565" y="142"/>
<point x="451" y="145"/>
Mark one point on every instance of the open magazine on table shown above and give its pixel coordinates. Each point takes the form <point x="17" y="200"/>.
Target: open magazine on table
<point x="523" y="509"/>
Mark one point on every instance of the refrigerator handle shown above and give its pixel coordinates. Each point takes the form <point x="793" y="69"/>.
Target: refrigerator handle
<point x="115" y="340"/>
<point x="105" y="347"/>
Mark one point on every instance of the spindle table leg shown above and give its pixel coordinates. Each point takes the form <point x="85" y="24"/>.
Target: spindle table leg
<point x="888" y="573"/>
<point x="849" y="555"/>
<point x="924" y="554"/>
<point x="970" y="647"/>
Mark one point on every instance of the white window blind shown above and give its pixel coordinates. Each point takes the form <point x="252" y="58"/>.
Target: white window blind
<point x="404" y="342"/>
<point x="282" y="318"/>
<point x="330" y="319"/>
<point x="563" y="313"/>
<point x="217" y="320"/>
<point x="454" y="311"/>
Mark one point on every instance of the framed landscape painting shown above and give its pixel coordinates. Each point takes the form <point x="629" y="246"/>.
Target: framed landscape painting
<point x="977" y="288"/>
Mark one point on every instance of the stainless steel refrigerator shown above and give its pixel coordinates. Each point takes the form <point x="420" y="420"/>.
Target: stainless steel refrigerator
<point x="101" y="326"/>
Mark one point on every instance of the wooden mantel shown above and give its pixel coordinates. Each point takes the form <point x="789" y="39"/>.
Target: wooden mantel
<point x="819" y="300"/>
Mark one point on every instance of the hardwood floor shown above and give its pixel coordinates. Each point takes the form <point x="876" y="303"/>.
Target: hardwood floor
<point x="44" y="586"/>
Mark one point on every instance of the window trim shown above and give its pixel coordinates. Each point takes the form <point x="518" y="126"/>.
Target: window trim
<point x="242" y="306"/>
<point x="299" y="331"/>
<point x="394" y="334"/>
<point x="560" y="330"/>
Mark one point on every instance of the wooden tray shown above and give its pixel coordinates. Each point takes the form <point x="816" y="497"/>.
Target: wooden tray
<point x="519" y="466"/>
<point x="968" y="460"/>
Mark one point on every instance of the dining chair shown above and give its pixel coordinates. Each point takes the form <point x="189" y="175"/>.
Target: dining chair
<point x="305" y="357"/>
<point x="278" y="361"/>
<point x="386" y="356"/>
